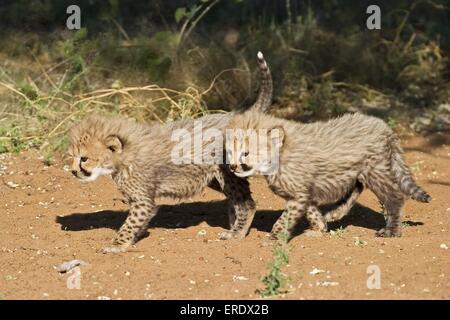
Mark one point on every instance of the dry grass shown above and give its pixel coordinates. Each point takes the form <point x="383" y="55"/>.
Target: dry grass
<point x="49" y="81"/>
<point x="36" y="117"/>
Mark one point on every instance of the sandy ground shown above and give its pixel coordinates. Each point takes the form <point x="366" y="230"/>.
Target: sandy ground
<point x="48" y="217"/>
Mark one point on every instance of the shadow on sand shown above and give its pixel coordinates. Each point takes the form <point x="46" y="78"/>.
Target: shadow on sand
<point x="214" y="214"/>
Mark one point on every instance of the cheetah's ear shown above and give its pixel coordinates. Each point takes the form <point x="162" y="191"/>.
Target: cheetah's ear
<point x="277" y="136"/>
<point x="114" y="144"/>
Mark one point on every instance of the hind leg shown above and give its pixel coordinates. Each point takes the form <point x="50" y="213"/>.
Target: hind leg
<point x="393" y="220"/>
<point x="241" y="205"/>
<point x="344" y="208"/>
<point x="317" y="222"/>
<point x="388" y="192"/>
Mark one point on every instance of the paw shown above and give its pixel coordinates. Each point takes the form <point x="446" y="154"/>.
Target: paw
<point x="313" y="233"/>
<point x="387" y="233"/>
<point x="280" y="234"/>
<point x="226" y="235"/>
<point x="141" y="235"/>
<point x="230" y="234"/>
<point x="270" y="241"/>
<point x="273" y="236"/>
<point x="113" y="249"/>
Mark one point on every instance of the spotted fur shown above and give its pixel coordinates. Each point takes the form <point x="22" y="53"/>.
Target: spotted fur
<point x="138" y="156"/>
<point x="330" y="162"/>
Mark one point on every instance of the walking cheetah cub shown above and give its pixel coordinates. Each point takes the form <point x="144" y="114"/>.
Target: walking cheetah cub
<point x="139" y="159"/>
<point x="322" y="163"/>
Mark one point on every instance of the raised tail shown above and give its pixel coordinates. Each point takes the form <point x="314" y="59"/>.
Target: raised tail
<point x="403" y="174"/>
<point x="264" y="99"/>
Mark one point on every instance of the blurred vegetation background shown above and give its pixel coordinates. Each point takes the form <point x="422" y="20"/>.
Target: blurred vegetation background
<point x="165" y="60"/>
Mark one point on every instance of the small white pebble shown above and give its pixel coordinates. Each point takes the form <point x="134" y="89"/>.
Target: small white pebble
<point x="316" y="271"/>
<point x="239" y="278"/>
<point x="443" y="246"/>
<point x="12" y="184"/>
<point x="327" y="283"/>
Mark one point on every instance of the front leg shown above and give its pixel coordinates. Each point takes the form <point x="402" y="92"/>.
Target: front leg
<point x="241" y="207"/>
<point x="142" y="210"/>
<point x="283" y="227"/>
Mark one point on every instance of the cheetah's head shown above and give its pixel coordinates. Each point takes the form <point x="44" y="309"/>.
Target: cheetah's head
<point x="93" y="154"/>
<point x="254" y="152"/>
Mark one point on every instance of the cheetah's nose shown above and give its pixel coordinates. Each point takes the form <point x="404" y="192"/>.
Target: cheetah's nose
<point x="74" y="172"/>
<point x="233" y="167"/>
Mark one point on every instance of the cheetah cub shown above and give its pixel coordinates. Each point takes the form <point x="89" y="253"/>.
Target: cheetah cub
<point x="139" y="159"/>
<point x="323" y="163"/>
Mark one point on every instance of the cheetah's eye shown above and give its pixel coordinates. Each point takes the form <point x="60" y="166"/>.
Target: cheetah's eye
<point x="243" y="156"/>
<point x="84" y="159"/>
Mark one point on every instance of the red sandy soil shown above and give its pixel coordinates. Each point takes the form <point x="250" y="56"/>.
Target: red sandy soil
<point x="48" y="217"/>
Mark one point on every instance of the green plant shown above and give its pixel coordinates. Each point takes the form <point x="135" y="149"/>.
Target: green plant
<point x="173" y="63"/>
<point x="417" y="166"/>
<point x="55" y="144"/>
<point x="358" y="242"/>
<point x="191" y="16"/>
<point x="50" y="115"/>
<point x="12" y="140"/>
<point x="275" y="280"/>
<point x="392" y="122"/>
<point x="339" y="232"/>
<point x="73" y="50"/>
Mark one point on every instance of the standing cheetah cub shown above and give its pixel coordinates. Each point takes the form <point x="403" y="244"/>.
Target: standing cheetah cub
<point x="323" y="163"/>
<point x="139" y="159"/>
